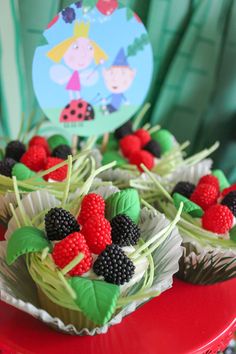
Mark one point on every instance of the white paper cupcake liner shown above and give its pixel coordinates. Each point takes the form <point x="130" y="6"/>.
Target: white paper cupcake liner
<point x="203" y="263"/>
<point x="5" y="211"/>
<point x="165" y="258"/>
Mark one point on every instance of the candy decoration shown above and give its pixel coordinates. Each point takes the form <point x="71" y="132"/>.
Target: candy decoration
<point x="6" y="166"/>
<point x="230" y="201"/>
<point x="129" y="144"/>
<point x="143" y="136"/>
<point x="210" y="179"/>
<point x="110" y="156"/>
<point x="205" y="195"/>
<point x="142" y="157"/>
<point x="25" y="240"/>
<point x="35" y="158"/>
<point x="59" y="174"/>
<point x="165" y="139"/>
<point x="15" y="149"/>
<point x="92" y="204"/>
<point x="224" y="183"/>
<point x="22" y="172"/>
<point x="56" y="140"/>
<point x="184" y="188"/>
<point x="154" y="148"/>
<point x="228" y="190"/>
<point x="189" y="207"/>
<point x="218" y="218"/>
<point x="124" y="202"/>
<point x="95" y="298"/>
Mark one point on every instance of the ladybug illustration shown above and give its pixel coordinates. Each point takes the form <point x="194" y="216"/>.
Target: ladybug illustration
<point x="77" y="111"/>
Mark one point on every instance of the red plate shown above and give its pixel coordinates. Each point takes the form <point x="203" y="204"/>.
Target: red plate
<point x="186" y="319"/>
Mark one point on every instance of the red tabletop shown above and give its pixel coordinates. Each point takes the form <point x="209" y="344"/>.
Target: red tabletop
<point x="185" y="319"/>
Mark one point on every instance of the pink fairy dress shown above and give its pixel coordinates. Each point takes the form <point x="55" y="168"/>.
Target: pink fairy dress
<point x="74" y="82"/>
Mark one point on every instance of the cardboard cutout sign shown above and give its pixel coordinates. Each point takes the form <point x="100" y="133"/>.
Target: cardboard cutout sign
<point x="95" y="71"/>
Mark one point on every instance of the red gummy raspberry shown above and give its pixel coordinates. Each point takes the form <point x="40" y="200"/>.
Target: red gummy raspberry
<point x="142" y="156"/>
<point x="228" y="190"/>
<point x="210" y="179"/>
<point x="35" y="158"/>
<point x="69" y="248"/>
<point x="143" y="135"/>
<point x="129" y="144"/>
<point x="40" y="140"/>
<point x="218" y="218"/>
<point x="92" y="204"/>
<point x="97" y="232"/>
<point x="205" y="195"/>
<point x="59" y="174"/>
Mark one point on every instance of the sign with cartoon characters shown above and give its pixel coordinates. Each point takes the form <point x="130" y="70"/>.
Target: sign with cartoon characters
<point x="96" y="68"/>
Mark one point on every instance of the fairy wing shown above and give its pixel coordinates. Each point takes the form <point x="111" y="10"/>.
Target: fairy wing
<point x="59" y="74"/>
<point x="89" y="77"/>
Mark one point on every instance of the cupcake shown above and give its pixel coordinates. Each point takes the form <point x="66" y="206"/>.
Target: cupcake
<point x="89" y="262"/>
<point x="206" y="224"/>
<point x="152" y="147"/>
<point x="38" y="165"/>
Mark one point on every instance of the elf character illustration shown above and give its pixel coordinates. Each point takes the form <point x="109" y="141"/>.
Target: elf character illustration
<point x="78" y="53"/>
<point x="118" y="79"/>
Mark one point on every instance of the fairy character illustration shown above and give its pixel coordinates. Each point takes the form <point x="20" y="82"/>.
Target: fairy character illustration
<point x="118" y="79"/>
<point x="78" y="52"/>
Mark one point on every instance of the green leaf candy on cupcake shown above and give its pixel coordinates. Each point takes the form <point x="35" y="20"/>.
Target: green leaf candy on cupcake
<point x="110" y="156"/>
<point x="124" y="202"/>
<point x="25" y="240"/>
<point x="22" y="172"/>
<point x="56" y="140"/>
<point x="165" y="139"/>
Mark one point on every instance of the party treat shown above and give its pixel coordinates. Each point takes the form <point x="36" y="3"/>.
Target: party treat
<point x="39" y="163"/>
<point x="207" y="222"/>
<point x="155" y="148"/>
<point x="94" y="259"/>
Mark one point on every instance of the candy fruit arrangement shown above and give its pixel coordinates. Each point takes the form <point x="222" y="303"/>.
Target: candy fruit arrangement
<point x="93" y="259"/>
<point x="206" y="224"/>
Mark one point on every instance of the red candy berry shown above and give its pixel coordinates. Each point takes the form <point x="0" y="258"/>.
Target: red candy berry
<point x="205" y="195"/>
<point x="228" y="190"/>
<point x="58" y="175"/>
<point x="97" y="232"/>
<point x="40" y="140"/>
<point x="210" y="179"/>
<point x="35" y="158"/>
<point x="129" y="144"/>
<point x="69" y="248"/>
<point x="143" y="135"/>
<point x="218" y="218"/>
<point x="142" y="157"/>
<point x="92" y="204"/>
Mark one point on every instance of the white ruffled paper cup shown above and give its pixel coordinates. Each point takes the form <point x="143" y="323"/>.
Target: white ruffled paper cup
<point x="19" y="290"/>
<point x="204" y="261"/>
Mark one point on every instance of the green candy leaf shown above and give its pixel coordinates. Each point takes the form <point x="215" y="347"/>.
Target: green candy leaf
<point x="189" y="206"/>
<point x="22" y="172"/>
<point x="95" y="298"/>
<point x="232" y="234"/>
<point x="124" y="202"/>
<point x="224" y="183"/>
<point x="164" y="138"/>
<point x="110" y="156"/>
<point x="27" y="239"/>
<point x="56" y="140"/>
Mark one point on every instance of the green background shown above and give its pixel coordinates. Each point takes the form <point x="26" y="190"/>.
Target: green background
<point x="194" y="85"/>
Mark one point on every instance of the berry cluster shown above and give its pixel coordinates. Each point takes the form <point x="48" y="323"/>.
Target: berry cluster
<point x="40" y="155"/>
<point x="141" y="147"/>
<point x="219" y="206"/>
<point x="92" y="234"/>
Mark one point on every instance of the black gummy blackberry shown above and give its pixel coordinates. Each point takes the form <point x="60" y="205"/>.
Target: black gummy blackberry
<point x="114" y="265"/>
<point x="6" y="166"/>
<point x="154" y="148"/>
<point x="62" y="152"/>
<point x="15" y="149"/>
<point x="124" y="231"/>
<point x="68" y="14"/>
<point x="184" y="188"/>
<point x="59" y="223"/>
<point x="124" y="130"/>
<point x="230" y="201"/>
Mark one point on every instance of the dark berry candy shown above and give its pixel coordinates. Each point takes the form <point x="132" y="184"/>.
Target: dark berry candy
<point x="15" y="149"/>
<point x="114" y="265"/>
<point x="124" y="231"/>
<point x="230" y="201"/>
<point x="68" y="14"/>
<point x="79" y="4"/>
<point x="62" y="152"/>
<point x="154" y="148"/>
<point x="6" y="166"/>
<point x="59" y="223"/>
<point x="184" y="188"/>
<point x="125" y="129"/>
